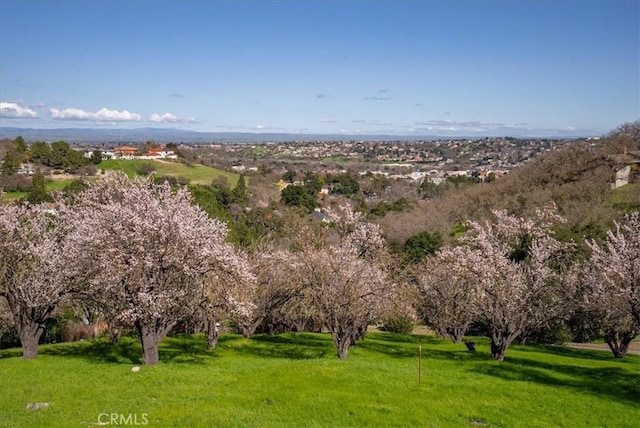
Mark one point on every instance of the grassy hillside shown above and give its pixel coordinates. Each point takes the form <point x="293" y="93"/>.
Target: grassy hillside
<point x="625" y="198"/>
<point x="577" y="179"/>
<point x="296" y="380"/>
<point x="196" y="173"/>
<point x="50" y="185"/>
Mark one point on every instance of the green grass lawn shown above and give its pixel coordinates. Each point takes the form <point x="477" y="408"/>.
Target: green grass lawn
<point x="296" y="380"/>
<point x="625" y="198"/>
<point x="196" y="173"/>
<point x="51" y="185"/>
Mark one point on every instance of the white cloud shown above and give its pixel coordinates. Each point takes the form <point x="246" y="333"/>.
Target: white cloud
<point x="268" y="128"/>
<point x="377" y="98"/>
<point x="170" y="118"/>
<point x="472" y="125"/>
<point x="14" y="110"/>
<point x="102" y="115"/>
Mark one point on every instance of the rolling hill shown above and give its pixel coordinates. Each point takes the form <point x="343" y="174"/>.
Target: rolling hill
<point x="195" y="173"/>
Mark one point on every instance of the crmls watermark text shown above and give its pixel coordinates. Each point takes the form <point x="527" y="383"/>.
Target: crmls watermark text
<point x="121" y="419"/>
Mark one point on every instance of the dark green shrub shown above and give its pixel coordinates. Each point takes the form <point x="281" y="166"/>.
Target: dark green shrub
<point x="146" y="168"/>
<point x="556" y="333"/>
<point x="584" y="327"/>
<point x="423" y="244"/>
<point x="9" y="338"/>
<point x="398" y="324"/>
<point x="299" y="197"/>
<point x="480" y="327"/>
<point x="54" y="328"/>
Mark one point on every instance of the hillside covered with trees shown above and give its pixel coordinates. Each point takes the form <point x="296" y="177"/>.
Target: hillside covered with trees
<point x="546" y="253"/>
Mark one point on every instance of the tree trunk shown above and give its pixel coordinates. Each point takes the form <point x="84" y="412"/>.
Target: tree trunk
<point x="498" y="350"/>
<point x="456" y="334"/>
<point x="89" y="323"/>
<point x="29" y="338"/>
<point x="299" y="325"/>
<point x="471" y="345"/>
<point x="248" y="330"/>
<point x="114" y="333"/>
<point x="342" y="339"/>
<point x="150" y="341"/>
<point x="619" y="343"/>
<point x="342" y="345"/>
<point x="358" y="333"/>
<point x="212" y="331"/>
<point x="500" y="341"/>
<point x="90" y="327"/>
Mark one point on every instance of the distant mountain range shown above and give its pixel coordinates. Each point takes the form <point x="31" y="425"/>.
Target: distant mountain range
<point x="168" y="135"/>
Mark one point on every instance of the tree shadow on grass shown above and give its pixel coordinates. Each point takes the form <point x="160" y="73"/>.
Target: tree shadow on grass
<point x="613" y="382"/>
<point x="590" y="354"/>
<point x="405" y="338"/>
<point x="185" y="349"/>
<point x="127" y="351"/>
<point x="403" y="351"/>
<point x="406" y="346"/>
<point x="10" y="353"/>
<point x="619" y="383"/>
<point x="289" y="345"/>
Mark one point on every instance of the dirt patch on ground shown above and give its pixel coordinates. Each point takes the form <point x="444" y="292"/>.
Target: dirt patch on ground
<point x="60" y="177"/>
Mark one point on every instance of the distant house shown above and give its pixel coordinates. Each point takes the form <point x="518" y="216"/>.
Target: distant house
<point x="159" y="153"/>
<point x="319" y="215"/>
<point x="622" y="177"/>
<point x="625" y="174"/>
<point x="125" y="152"/>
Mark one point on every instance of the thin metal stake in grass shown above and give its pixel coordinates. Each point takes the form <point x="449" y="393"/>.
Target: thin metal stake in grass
<point x="419" y="365"/>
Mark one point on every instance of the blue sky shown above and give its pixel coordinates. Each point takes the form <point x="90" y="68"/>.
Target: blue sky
<point x="474" y="67"/>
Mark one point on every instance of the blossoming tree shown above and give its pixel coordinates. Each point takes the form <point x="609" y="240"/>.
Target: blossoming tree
<point x="36" y="268"/>
<point x="345" y="280"/>
<point x="448" y="291"/>
<point x="277" y="282"/>
<point x="519" y="265"/>
<point x="156" y="253"/>
<point x="612" y="284"/>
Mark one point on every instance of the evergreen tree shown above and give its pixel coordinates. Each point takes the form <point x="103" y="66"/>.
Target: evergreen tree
<point x="240" y="191"/>
<point x="38" y="191"/>
<point x="11" y="163"/>
<point x="96" y="157"/>
<point x="21" y="146"/>
<point x="312" y="183"/>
